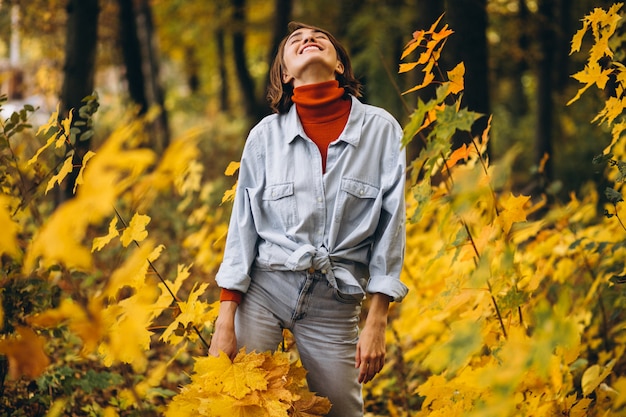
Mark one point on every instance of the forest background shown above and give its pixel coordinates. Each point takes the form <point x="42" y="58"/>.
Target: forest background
<point x="185" y="81"/>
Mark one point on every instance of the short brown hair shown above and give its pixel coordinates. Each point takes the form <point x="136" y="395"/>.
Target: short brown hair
<point x="279" y="94"/>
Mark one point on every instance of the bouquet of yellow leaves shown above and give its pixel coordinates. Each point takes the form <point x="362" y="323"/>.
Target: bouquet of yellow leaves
<point x="252" y="385"/>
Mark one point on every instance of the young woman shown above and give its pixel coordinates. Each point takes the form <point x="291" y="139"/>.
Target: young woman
<point x="318" y="223"/>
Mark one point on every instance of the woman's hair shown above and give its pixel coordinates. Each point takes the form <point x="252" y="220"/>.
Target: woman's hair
<point x="279" y="94"/>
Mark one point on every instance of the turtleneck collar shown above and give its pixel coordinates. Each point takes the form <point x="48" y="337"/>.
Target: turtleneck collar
<point x="321" y="103"/>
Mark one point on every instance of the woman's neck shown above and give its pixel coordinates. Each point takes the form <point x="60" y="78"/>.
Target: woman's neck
<point x="321" y="102"/>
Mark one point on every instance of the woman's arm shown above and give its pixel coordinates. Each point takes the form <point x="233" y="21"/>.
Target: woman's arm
<point x="371" y="348"/>
<point x="224" y="339"/>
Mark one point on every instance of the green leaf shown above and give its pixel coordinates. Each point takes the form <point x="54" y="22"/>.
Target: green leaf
<point x="613" y="196"/>
<point x="449" y="120"/>
<point x="417" y="120"/>
<point x="622" y="171"/>
<point x="422" y="192"/>
<point x="602" y="159"/>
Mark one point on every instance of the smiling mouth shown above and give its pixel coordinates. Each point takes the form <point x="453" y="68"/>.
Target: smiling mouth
<point x="308" y="47"/>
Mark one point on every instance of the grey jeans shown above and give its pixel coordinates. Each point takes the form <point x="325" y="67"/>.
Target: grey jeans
<point x="323" y="322"/>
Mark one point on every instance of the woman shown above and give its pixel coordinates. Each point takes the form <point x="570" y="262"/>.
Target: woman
<point x="318" y="222"/>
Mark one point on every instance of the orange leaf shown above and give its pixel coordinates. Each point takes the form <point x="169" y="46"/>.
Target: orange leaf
<point x="25" y="353"/>
<point x="461" y="153"/>
<point x="455" y="76"/>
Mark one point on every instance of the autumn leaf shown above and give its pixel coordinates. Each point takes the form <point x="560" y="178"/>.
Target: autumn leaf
<point x="229" y="195"/>
<point x="10" y="229"/>
<point x="136" y="230"/>
<point x="87" y="323"/>
<point x="594" y="375"/>
<point x="456" y="78"/>
<point x="59" y="240"/>
<point x="192" y="312"/>
<point x="310" y="405"/>
<point x="100" y="242"/>
<point x="232" y="167"/>
<point x="80" y="178"/>
<point x="25" y="353"/>
<point x="65" y="170"/>
<point x="133" y="271"/>
<point x="128" y="336"/>
<point x="513" y="210"/>
<point x="461" y="153"/>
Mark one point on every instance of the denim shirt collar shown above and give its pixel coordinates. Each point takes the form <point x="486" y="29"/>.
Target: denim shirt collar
<point x="351" y="133"/>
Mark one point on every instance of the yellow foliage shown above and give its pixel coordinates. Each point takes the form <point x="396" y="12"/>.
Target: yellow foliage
<point x="133" y="272"/>
<point x="136" y="230"/>
<point x="193" y="312"/>
<point x="253" y="384"/>
<point x="10" y="229"/>
<point x="100" y="242"/>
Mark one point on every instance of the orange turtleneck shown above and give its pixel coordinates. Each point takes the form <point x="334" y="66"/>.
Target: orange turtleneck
<point x="323" y="113"/>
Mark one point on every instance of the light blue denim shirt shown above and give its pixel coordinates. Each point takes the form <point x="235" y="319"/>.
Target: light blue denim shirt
<point x="348" y="222"/>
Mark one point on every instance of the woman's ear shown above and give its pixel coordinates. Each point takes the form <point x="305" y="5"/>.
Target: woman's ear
<point x="339" y="69"/>
<point x="286" y="77"/>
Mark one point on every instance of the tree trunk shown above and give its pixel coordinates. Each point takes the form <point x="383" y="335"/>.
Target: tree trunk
<point x="221" y="62"/>
<point x="543" y="134"/>
<point x="518" y="105"/>
<point x="142" y="66"/>
<point x="282" y="16"/>
<point x="250" y="105"/>
<point x="79" y="70"/>
<point x="562" y="39"/>
<point x="131" y="51"/>
<point x="468" y="18"/>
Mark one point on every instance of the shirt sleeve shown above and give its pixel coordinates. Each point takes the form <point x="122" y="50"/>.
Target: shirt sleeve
<point x="241" y="240"/>
<point x="387" y="255"/>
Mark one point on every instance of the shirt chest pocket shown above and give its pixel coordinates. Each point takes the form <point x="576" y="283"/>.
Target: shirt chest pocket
<point x="279" y="202"/>
<point x="356" y="200"/>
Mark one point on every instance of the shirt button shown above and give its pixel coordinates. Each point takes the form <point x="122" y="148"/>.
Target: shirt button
<point x="323" y="271"/>
<point x="319" y="199"/>
<point x="273" y="194"/>
<point x="361" y="191"/>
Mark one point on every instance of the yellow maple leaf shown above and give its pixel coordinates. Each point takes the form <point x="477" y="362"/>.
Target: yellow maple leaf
<point x="133" y="272"/>
<point x="456" y="77"/>
<point x="192" y="312"/>
<point x="128" y="337"/>
<point x="10" y="229"/>
<point x="136" y="230"/>
<point x="25" y="353"/>
<point x="100" y="242"/>
<point x="66" y="168"/>
<point x="166" y="299"/>
<point x="242" y="375"/>
<point x="59" y="240"/>
<point x="66" y="126"/>
<point x="232" y="167"/>
<point x="229" y="195"/>
<point x="80" y="178"/>
<point x="513" y="210"/>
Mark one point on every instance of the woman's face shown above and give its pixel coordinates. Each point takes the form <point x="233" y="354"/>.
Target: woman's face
<point x="309" y="57"/>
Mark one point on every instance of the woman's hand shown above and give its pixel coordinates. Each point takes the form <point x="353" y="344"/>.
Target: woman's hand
<point x="224" y="338"/>
<point x="371" y="348"/>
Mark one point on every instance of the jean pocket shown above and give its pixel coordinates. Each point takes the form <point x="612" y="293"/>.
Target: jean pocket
<point x="344" y="298"/>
